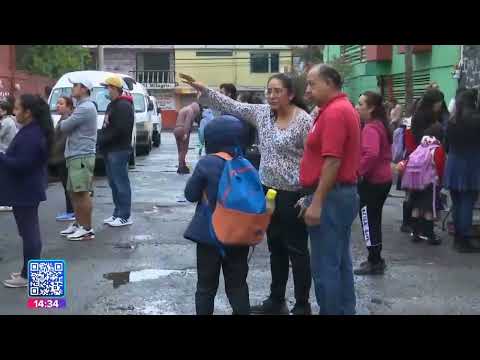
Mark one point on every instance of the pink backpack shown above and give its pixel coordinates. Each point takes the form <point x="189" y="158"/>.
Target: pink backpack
<point x="420" y="171"/>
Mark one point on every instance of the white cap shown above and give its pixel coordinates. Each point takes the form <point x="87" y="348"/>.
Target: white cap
<point x="83" y="81"/>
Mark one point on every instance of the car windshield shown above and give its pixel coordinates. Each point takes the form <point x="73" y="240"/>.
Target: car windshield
<point x="98" y="96"/>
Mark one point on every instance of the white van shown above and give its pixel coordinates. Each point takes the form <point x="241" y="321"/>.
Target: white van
<point x="63" y="87"/>
<point x="157" y="123"/>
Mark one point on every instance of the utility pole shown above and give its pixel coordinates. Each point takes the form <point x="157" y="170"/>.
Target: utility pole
<point x="100" y="62"/>
<point x="408" y="77"/>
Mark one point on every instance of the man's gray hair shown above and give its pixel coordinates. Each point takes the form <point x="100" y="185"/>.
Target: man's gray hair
<point x="329" y="73"/>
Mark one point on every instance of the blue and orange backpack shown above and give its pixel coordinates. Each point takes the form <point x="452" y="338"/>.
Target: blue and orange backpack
<point x="240" y="217"/>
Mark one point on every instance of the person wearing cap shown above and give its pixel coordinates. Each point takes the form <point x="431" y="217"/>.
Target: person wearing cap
<point x="115" y="143"/>
<point x="80" y="149"/>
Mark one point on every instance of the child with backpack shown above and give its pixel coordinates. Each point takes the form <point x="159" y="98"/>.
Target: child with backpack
<point x="224" y="137"/>
<point x="422" y="176"/>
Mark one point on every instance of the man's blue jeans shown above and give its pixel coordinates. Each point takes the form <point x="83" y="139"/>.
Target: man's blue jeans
<point x="116" y="167"/>
<point x="331" y="260"/>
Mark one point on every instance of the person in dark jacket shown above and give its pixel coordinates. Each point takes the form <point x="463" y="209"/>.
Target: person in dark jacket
<point x="57" y="157"/>
<point x="252" y="153"/>
<point x="462" y="174"/>
<point x="23" y="176"/>
<point x="115" y="143"/>
<point x="222" y="135"/>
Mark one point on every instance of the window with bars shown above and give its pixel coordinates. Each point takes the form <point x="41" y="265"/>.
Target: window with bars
<point x="353" y="54"/>
<point x="264" y="62"/>
<point x="394" y="85"/>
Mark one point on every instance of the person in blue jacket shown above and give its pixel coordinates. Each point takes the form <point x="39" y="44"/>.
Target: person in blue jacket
<point x="23" y="176"/>
<point x="223" y="134"/>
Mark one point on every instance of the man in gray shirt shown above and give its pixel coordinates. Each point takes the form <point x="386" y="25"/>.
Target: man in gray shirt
<point x="81" y="128"/>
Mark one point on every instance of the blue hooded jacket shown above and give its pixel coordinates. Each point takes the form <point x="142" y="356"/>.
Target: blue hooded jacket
<point x="23" y="168"/>
<point x="223" y="134"/>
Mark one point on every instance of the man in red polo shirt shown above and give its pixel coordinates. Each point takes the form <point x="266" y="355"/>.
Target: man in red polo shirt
<point x="328" y="171"/>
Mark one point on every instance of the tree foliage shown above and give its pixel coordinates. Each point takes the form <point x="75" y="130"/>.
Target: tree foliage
<point x="55" y="60"/>
<point x="309" y="54"/>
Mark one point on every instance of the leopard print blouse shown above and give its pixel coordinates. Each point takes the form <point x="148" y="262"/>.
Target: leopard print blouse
<point x="281" y="149"/>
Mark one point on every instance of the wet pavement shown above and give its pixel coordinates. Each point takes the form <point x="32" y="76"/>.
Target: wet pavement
<point x="149" y="268"/>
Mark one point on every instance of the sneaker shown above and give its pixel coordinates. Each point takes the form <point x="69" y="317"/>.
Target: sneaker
<point x="118" y="222"/>
<point x="66" y="217"/>
<point x="416" y="238"/>
<point x="301" y="309"/>
<point x="5" y="208"/>
<point x="269" y="307"/>
<point x="81" y="234"/>
<point x="109" y="220"/>
<point x="435" y="240"/>
<point x="183" y="170"/>
<point x="70" y="230"/>
<point x="16" y="282"/>
<point x="15" y="275"/>
<point x="368" y="268"/>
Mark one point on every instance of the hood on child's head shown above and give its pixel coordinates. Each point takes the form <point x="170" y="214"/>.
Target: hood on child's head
<point x="224" y="133"/>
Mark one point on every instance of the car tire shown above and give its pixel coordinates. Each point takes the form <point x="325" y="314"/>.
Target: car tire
<point x="156" y="139"/>
<point x="133" y="157"/>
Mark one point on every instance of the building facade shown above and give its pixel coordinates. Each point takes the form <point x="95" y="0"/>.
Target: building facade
<point x="382" y="68"/>
<point x="248" y="67"/>
<point x="157" y="67"/>
<point x="151" y="65"/>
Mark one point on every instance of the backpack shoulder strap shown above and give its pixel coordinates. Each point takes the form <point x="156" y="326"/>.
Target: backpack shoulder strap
<point x="223" y="155"/>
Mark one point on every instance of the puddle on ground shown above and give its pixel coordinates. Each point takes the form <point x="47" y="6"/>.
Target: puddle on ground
<point x="122" y="278"/>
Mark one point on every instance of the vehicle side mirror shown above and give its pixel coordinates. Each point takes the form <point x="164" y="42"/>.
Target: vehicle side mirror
<point x="150" y="106"/>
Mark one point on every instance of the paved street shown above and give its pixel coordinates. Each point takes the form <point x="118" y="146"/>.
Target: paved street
<point x="149" y="268"/>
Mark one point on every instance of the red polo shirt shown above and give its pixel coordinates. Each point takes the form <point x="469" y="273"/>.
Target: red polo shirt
<point x="335" y="133"/>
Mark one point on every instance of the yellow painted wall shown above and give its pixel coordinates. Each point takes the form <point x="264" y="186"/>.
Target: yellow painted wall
<point x="235" y="69"/>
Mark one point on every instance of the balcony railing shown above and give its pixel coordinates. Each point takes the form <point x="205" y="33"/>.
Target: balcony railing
<point x="155" y="79"/>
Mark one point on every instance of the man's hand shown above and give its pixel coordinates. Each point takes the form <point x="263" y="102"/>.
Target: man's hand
<point x="312" y="215"/>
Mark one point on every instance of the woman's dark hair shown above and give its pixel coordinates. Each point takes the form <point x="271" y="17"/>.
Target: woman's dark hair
<point x="464" y="126"/>
<point x="6" y="106"/>
<point x="231" y="89"/>
<point x="424" y="116"/>
<point x="40" y="113"/>
<point x="379" y="112"/>
<point x="288" y="84"/>
<point x="465" y="101"/>
<point x="68" y="101"/>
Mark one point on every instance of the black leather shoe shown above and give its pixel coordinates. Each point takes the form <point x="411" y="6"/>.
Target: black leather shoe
<point x="301" y="309"/>
<point x="463" y="245"/>
<point x="368" y="268"/>
<point x="183" y="170"/>
<point x="270" y="307"/>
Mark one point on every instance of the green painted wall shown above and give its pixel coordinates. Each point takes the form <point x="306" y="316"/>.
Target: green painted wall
<point x="440" y="62"/>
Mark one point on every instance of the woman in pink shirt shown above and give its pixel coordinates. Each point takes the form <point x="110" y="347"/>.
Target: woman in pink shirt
<point x="375" y="177"/>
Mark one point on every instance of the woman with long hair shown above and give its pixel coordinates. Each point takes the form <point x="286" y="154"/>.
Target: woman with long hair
<point x="283" y="125"/>
<point x="57" y="156"/>
<point x="23" y="176"/>
<point x="462" y="174"/>
<point x="375" y="177"/>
